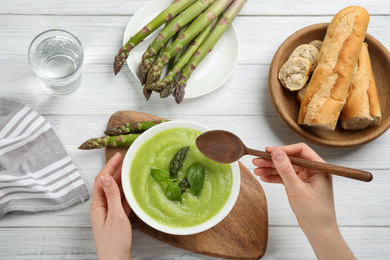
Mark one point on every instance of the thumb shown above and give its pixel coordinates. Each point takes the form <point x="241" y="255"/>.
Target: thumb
<point x="285" y="169"/>
<point x="112" y="193"/>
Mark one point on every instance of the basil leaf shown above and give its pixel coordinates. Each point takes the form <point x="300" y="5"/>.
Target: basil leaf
<point x="195" y="176"/>
<point x="173" y="191"/>
<point x="177" y="162"/>
<point x="159" y="175"/>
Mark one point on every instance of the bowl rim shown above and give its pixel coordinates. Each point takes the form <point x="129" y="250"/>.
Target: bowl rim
<point x="128" y="193"/>
<point x="291" y="123"/>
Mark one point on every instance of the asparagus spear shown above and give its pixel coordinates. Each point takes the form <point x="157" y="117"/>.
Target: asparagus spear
<point x="166" y="84"/>
<point x="176" y="59"/>
<point x="166" y="15"/>
<point x="184" y="185"/>
<point x="147" y="93"/>
<point x="177" y="162"/>
<point x="207" y="46"/>
<point x="169" y="87"/>
<point x="177" y="23"/>
<point x="132" y="127"/>
<point x="200" y="23"/>
<point x="143" y="69"/>
<point x="116" y="140"/>
<point x="147" y="62"/>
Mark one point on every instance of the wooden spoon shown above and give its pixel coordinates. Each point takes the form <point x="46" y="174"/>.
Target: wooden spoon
<point x="225" y="147"/>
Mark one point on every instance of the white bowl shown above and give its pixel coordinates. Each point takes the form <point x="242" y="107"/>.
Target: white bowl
<point x="144" y="216"/>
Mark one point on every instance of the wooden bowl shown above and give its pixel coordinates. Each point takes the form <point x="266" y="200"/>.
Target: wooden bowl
<point x="287" y="106"/>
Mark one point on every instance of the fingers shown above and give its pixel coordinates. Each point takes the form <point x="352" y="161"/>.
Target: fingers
<point x="300" y="150"/>
<point x="265" y="163"/>
<point x="272" y="179"/>
<point x="98" y="207"/>
<point x="112" y="165"/>
<point x="113" y="196"/>
<point x="118" y="169"/>
<point x="285" y="169"/>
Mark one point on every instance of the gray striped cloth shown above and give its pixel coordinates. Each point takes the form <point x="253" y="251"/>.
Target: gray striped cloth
<point x="36" y="172"/>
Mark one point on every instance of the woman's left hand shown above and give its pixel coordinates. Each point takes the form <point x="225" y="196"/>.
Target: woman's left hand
<point x="109" y="213"/>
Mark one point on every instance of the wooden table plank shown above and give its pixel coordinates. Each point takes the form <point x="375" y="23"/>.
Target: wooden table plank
<point x="122" y="7"/>
<point x="102" y="36"/>
<point x="75" y="243"/>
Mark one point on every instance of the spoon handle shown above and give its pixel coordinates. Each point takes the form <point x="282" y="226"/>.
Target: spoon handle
<point x="325" y="167"/>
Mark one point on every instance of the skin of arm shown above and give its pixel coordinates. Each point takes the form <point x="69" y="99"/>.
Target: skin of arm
<point x="310" y="194"/>
<point x="109" y="214"/>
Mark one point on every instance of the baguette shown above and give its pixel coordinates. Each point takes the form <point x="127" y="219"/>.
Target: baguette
<point x="327" y="91"/>
<point x="362" y="108"/>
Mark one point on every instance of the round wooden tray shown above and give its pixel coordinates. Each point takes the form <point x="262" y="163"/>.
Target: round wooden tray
<point x="287" y="106"/>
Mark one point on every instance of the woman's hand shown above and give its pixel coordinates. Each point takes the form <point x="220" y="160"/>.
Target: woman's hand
<point x="109" y="213"/>
<point x="310" y="194"/>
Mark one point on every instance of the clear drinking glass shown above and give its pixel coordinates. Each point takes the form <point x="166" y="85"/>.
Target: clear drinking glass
<point x="56" y="56"/>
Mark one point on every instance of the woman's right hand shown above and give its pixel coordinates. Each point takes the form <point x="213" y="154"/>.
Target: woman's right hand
<point x="310" y="194"/>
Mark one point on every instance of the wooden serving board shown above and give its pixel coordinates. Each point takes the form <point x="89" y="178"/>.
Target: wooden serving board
<point x="243" y="234"/>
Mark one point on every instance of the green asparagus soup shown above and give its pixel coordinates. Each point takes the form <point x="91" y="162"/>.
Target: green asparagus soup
<point x="156" y="153"/>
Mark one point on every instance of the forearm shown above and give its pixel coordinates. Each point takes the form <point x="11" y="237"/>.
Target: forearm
<point x="328" y="243"/>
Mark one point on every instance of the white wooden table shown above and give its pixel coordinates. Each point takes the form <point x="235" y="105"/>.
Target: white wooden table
<point x="242" y="106"/>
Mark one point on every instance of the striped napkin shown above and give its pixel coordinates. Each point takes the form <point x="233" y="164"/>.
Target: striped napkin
<point x="36" y="172"/>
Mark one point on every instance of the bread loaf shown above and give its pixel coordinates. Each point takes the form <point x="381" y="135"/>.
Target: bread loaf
<point x="301" y="93"/>
<point x="327" y="91"/>
<point x="361" y="109"/>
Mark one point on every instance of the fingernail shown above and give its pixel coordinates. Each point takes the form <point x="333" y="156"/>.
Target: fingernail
<point x="105" y="179"/>
<point x="278" y="154"/>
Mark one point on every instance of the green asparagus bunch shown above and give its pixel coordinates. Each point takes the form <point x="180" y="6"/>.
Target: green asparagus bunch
<point x="206" y="47"/>
<point x="168" y="32"/>
<point x="165" y="85"/>
<point x="119" y="135"/>
<point x="198" y="25"/>
<point x="170" y="12"/>
<point x="193" y="30"/>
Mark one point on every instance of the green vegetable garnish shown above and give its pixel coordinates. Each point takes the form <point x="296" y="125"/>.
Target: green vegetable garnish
<point x="195" y="176"/>
<point x="159" y="175"/>
<point x="173" y="191"/>
<point x="177" y="162"/>
<point x="184" y="185"/>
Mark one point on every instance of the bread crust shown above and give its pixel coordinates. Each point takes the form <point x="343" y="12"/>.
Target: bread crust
<point x="327" y="91"/>
<point x="362" y="108"/>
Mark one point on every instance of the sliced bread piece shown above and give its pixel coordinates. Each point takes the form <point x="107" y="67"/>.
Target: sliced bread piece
<point x="295" y="73"/>
<point x="317" y="44"/>
<point x="307" y="51"/>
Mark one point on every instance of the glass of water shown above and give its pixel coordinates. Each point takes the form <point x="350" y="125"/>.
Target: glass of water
<point x="56" y="56"/>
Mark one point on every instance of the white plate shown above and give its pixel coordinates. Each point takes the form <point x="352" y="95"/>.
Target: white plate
<point x="212" y="72"/>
